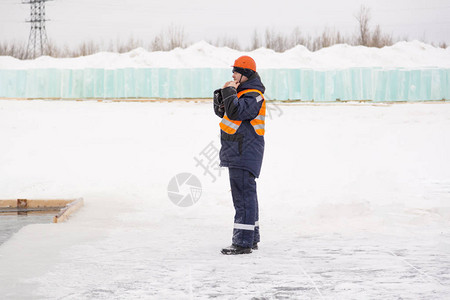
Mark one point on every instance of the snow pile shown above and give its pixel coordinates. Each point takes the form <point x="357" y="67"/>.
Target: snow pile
<point x="203" y="55"/>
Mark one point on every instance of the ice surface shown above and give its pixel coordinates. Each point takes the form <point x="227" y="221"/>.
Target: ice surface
<point x="12" y="222"/>
<point x="354" y="203"/>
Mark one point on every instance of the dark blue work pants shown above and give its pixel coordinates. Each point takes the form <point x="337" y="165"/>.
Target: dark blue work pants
<point x="245" y="200"/>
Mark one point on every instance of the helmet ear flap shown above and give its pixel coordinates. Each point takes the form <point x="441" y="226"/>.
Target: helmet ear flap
<point x="246" y="72"/>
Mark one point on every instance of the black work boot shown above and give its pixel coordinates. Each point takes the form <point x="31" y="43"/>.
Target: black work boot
<point x="235" y="249"/>
<point x="255" y="246"/>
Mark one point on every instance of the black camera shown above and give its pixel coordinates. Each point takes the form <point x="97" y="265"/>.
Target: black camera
<point x="218" y="100"/>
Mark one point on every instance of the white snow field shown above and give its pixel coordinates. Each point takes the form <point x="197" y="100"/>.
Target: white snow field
<point x="354" y="203"/>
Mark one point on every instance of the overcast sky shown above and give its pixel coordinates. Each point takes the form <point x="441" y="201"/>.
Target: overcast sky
<point x="73" y="21"/>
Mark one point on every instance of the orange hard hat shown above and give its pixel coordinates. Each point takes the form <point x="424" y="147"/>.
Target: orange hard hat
<point x="245" y="62"/>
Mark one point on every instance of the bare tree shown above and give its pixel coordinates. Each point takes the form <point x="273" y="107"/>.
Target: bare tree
<point x="339" y="38"/>
<point x="52" y="49"/>
<point x="131" y="44"/>
<point x="169" y="39"/>
<point x="280" y="43"/>
<point x="276" y="41"/>
<point x="232" y="43"/>
<point x="85" y="48"/>
<point x="297" y="38"/>
<point x="387" y="40"/>
<point x="376" y="38"/>
<point x="256" y="42"/>
<point x="157" y="43"/>
<point x="363" y="18"/>
<point x="326" y="40"/>
<point x="176" y="37"/>
<point x="14" y="49"/>
<point x="269" y="38"/>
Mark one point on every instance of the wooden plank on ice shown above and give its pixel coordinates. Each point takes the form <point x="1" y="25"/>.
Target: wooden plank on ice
<point x="8" y="203"/>
<point x="68" y="210"/>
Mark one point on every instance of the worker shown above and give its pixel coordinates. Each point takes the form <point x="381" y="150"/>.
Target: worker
<point x="241" y="105"/>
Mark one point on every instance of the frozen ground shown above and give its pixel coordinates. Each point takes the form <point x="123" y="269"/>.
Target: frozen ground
<point x="354" y="200"/>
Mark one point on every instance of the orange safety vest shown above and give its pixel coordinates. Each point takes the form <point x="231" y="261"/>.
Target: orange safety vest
<point x="231" y="126"/>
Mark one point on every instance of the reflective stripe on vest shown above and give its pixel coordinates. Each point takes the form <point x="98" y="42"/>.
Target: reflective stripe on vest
<point x="231" y="126"/>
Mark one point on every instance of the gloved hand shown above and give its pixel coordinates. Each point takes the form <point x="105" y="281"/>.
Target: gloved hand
<point x="218" y="100"/>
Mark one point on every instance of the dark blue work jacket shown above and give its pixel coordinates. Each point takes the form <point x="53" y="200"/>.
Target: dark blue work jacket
<point x="245" y="148"/>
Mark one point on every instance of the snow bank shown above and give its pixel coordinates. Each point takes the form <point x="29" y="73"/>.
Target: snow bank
<point x="203" y="55"/>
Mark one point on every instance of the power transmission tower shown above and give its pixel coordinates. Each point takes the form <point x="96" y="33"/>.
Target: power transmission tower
<point x="37" y="42"/>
